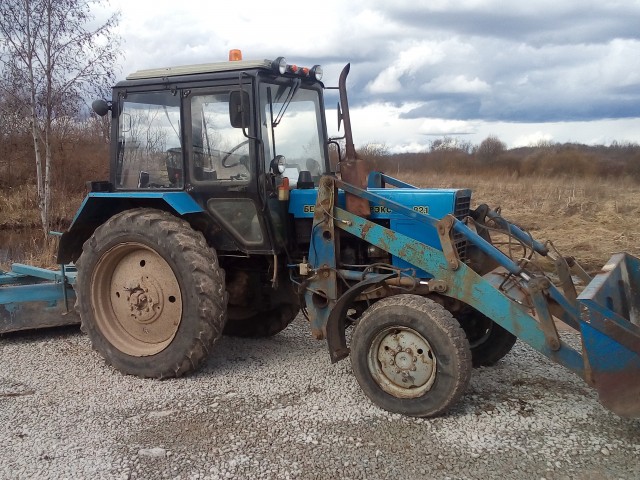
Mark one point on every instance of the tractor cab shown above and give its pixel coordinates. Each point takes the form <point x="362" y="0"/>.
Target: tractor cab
<point x="225" y="133"/>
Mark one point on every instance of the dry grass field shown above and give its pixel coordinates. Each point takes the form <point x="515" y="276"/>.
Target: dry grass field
<point x="588" y="218"/>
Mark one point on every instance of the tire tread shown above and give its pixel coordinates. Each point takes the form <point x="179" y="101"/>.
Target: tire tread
<point x="187" y="247"/>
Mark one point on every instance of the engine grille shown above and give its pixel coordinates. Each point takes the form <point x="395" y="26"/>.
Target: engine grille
<point x="461" y="211"/>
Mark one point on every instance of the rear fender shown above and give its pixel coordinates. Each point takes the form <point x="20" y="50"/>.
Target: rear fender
<point x="98" y="207"/>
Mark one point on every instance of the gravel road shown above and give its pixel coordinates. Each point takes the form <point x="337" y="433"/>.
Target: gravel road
<point x="277" y="408"/>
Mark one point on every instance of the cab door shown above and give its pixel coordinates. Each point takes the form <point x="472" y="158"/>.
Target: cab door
<point x="224" y="169"/>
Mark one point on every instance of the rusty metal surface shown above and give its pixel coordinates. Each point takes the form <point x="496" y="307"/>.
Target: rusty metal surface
<point x="353" y="170"/>
<point x="346" y="117"/>
<point x="322" y="288"/>
<point x="614" y="364"/>
<point x="464" y="284"/>
<point x="504" y="281"/>
<point x="35" y="315"/>
<point x="537" y="289"/>
<point x="444" y="228"/>
<point x="610" y="336"/>
<point x="33" y="297"/>
<point x="566" y="282"/>
<point x="620" y="392"/>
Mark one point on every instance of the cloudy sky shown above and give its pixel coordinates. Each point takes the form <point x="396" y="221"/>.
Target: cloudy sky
<point x="554" y="70"/>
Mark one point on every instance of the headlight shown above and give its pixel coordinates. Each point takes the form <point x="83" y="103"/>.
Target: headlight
<point x="316" y="72"/>
<point x="279" y="65"/>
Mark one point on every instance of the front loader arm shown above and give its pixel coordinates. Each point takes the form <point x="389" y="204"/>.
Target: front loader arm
<point x="521" y="301"/>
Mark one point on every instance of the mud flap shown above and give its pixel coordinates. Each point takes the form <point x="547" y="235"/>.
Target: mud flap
<point x="336" y="340"/>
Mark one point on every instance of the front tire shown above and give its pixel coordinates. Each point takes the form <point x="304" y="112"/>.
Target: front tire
<point x="150" y="294"/>
<point x="410" y="356"/>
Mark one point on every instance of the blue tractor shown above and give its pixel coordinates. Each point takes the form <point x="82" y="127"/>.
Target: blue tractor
<point x="223" y="215"/>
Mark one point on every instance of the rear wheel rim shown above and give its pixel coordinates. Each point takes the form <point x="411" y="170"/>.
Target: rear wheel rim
<point x="402" y="362"/>
<point x="136" y="299"/>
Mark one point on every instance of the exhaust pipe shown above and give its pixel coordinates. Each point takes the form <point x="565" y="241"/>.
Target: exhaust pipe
<point x="353" y="170"/>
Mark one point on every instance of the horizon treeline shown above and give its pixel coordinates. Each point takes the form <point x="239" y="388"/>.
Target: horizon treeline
<point x="492" y="157"/>
<point x="82" y="154"/>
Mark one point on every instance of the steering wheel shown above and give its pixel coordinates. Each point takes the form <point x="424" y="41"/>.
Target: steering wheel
<point x="230" y="152"/>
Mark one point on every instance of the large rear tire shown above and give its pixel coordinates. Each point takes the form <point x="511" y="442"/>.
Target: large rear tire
<point x="151" y="294"/>
<point x="410" y="356"/>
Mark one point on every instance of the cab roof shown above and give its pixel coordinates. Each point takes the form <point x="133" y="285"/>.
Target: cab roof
<point x="199" y="68"/>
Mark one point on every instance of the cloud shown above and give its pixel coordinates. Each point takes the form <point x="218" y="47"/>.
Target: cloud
<point x="443" y="127"/>
<point x="531" y="139"/>
<point x="538" y="22"/>
<point x="472" y="61"/>
<point x="455" y="84"/>
<point x="409" y="61"/>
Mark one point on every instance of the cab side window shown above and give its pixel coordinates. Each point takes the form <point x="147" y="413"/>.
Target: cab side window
<point x="220" y="150"/>
<point x="149" y="147"/>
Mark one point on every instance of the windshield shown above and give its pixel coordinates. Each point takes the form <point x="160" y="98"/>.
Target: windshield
<point x="293" y="129"/>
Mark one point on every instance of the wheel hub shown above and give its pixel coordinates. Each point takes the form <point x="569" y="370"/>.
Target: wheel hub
<point x="402" y="362"/>
<point x="137" y="299"/>
<point x="145" y="301"/>
<point x="405" y="361"/>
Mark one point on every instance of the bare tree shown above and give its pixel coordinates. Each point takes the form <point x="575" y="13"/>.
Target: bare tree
<point x="52" y="54"/>
<point x="490" y="149"/>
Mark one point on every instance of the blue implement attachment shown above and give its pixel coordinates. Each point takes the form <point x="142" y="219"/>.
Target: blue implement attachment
<point x="33" y="297"/>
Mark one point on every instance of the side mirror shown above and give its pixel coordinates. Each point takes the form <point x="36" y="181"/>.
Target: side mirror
<point x="239" y="109"/>
<point x="101" y="107"/>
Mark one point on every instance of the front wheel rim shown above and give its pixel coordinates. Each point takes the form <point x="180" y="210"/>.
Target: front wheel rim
<point x="136" y="298"/>
<point x="402" y="362"/>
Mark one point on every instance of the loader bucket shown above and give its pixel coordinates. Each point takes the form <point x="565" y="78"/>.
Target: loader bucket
<point x="610" y="327"/>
